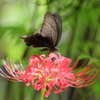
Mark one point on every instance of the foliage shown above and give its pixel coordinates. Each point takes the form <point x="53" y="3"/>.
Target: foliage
<point x="80" y="36"/>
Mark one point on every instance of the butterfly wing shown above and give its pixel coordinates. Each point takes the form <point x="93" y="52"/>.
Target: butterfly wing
<point x="49" y="28"/>
<point x="50" y="33"/>
<point x="36" y="40"/>
<point x="59" y="27"/>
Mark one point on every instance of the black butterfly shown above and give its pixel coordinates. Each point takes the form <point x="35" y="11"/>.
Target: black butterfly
<point x="50" y="33"/>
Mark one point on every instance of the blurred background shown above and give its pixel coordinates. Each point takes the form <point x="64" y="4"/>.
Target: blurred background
<point x="80" y="36"/>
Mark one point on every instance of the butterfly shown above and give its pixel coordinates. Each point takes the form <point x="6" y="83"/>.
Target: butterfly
<point x="50" y="33"/>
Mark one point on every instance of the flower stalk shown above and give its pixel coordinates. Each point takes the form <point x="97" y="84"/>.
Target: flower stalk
<point x="42" y="94"/>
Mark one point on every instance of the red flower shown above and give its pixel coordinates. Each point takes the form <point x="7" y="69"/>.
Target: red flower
<point x="51" y="73"/>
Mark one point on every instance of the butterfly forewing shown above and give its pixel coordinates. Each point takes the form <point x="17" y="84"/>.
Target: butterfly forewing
<point x="49" y="28"/>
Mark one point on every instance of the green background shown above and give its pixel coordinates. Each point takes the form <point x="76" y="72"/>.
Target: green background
<point x="80" y="37"/>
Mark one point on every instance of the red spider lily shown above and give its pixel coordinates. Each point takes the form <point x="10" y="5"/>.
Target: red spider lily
<point x="50" y="73"/>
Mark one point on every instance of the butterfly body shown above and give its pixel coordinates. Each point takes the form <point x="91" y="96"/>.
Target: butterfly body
<point x="49" y="35"/>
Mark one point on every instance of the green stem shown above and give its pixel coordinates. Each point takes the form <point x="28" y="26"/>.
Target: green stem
<point x="42" y="94"/>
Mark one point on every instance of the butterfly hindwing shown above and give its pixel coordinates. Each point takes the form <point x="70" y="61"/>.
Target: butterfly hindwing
<point x="36" y="40"/>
